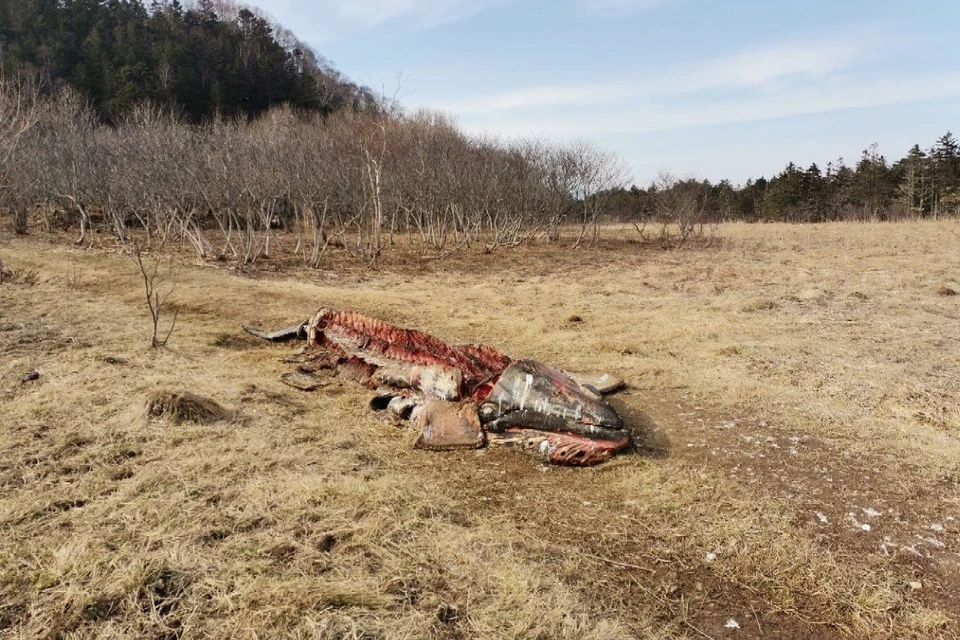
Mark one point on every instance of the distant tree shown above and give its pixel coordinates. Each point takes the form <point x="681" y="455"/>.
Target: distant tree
<point x="914" y="188"/>
<point x="874" y="185"/>
<point x="945" y="157"/>
<point x="784" y="194"/>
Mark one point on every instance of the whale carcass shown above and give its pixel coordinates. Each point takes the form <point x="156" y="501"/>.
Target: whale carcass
<point x="461" y="396"/>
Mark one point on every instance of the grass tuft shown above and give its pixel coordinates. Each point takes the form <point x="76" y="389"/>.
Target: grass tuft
<point x="181" y="407"/>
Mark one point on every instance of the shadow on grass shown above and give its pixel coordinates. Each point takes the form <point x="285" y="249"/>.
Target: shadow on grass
<point x="650" y="440"/>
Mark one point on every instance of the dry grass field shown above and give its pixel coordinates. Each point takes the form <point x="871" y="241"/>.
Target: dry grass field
<point x="794" y="390"/>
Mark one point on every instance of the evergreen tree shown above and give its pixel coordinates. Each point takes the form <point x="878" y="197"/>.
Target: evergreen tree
<point x="119" y="53"/>
<point x="946" y="175"/>
<point x="913" y="191"/>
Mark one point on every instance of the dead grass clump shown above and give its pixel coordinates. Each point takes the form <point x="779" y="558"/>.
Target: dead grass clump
<point x="759" y="305"/>
<point x="161" y="591"/>
<point x="946" y="291"/>
<point x="182" y="407"/>
<point x="25" y="277"/>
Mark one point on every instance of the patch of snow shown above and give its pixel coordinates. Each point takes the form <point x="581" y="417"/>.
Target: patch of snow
<point x="822" y="518"/>
<point x="865" y="527"/>
<point x="711" y="557"/>
<point x="871" y="512"/>
<point x="936" y="527"/>
<point x="732" y="624"/>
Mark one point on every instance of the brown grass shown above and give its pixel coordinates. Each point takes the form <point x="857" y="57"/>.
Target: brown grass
<point x="182" y="406"/>
<point x="783" y="374"/>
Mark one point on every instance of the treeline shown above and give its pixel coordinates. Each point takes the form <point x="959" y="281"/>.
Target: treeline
<point x="366" y="183"/>
<point x="923" y="184"/>
<point x="359" y="183"/>
<point x="210" y="58"/>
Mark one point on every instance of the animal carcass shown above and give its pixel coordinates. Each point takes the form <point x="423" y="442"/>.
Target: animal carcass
<point x="460" y="396"/>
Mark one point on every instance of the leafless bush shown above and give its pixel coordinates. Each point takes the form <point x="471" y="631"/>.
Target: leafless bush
<point x="298" y="184"/>
<point x="681" y="208"/>
<point x="19" y="111"/>
<point x="594" y="173"/>
<point x="153" y="273"/>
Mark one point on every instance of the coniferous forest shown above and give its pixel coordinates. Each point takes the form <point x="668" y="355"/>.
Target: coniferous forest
<point x="207" y="124"/>
<point x="925" y="183"/>
<point x="209" y="59"/>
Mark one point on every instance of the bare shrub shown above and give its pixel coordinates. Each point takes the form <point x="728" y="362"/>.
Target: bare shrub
<point x="153" y="277"/>
<point x="682" y="209"/>
<point x="355" y="183"/>
<point x="595" y="173"/>
<point x="19" y="111"/>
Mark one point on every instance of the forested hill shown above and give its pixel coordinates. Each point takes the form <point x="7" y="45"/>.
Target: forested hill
<point x="208" y="57"/>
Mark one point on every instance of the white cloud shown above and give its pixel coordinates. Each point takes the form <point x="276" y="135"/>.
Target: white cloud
<point x="373" y="13"/>
<point x="337" y="18"/>
<point x="547" y="96"/>
<point x="649" y="116"/>
<point x="756" y="68"/>
<point x="634" y="5"/>
<point x="811" y="58"/>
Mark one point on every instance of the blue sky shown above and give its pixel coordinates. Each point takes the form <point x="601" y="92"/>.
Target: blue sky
<point x="707" y="88"/>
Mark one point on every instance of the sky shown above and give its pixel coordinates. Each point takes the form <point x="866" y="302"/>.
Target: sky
<point x="698" y="88"/>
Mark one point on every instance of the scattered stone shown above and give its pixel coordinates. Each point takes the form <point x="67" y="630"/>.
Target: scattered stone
<point x="915" y="586"/>
<point x="865" y="527"/>
<point x="604" y="383"/>
<point x="30" y="376"/>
